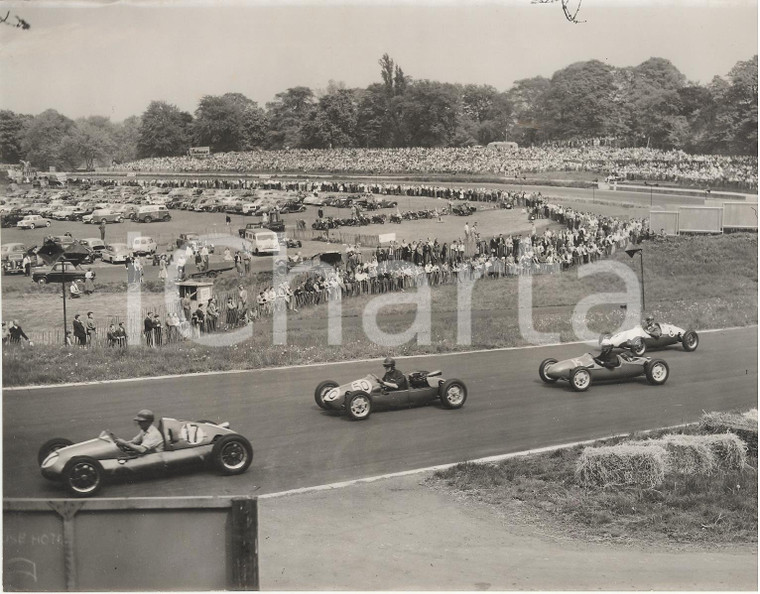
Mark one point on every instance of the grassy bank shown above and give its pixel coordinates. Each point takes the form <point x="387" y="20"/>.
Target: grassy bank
<point x="542" y="491"/>
<point x="697" y="282"/>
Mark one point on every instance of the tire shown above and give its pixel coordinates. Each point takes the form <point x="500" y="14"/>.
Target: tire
<point x="299" y="244"/>
<point x="50" y="446"/>
<point x="83" y="476"/>
<point x="42" y="281"/>
<point x="232" y="454"/>
<point x="148" y="219"/>
<point x="657" y="372"/>
<point x="119" y="219"/>
<point x="31" y="226"/>
<point x="542" y="373"/>
<point x="453" y="394"/>
<point x="638" y="347"/>
<point x="47" y="224"/>
<point x="256" y="252"/>
<point x="359" y="406"/>
<point x="167" y="218"/>
<point x="321" y="390"/>
<point x="580" y="379"/>
<point x="690" y="341"/>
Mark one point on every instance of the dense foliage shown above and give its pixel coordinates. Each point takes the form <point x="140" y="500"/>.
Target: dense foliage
<point x="650" y="105"/>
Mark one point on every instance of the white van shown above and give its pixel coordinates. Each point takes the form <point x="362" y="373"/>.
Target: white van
<point x="263" y="241"/>
<point x="142" y="246"/>
<point x="153" y="212"/>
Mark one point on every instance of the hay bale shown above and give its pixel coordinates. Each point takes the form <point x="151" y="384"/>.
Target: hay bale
<point x="621" y="465"/>
<point x="729" y="449"/>
<point x="688" y="454"/>
<point x="742" y="424"/>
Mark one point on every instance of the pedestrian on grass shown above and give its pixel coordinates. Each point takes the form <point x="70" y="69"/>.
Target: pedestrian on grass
<point x="90" y="327"/>
<point x="80" y="333"/>
<point x="102" y="231"/>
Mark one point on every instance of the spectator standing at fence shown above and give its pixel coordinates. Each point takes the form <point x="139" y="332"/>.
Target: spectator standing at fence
<point x="212" y="314"/>
<point x="122" y="335"/>
<point x="157" y="330"/>
<point x="16" y="333"/>
<point x="199" y="319"/>
<point x="172" y="327"/>
<point x="112" y="336"/>
<point x="80" y="333"/>
<point x="148" y="329"/>
<point x="231" y="313"/>
<point x="187" y="306"/>
<point x="90" y="327"/>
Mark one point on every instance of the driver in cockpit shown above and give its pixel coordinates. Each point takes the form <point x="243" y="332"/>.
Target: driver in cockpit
<point x="607" y="358"/>
<point x="149" y="439"/>
<point x="651" y="328"/>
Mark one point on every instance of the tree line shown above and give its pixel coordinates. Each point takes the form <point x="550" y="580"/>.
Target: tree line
<point x="651" y="105"/>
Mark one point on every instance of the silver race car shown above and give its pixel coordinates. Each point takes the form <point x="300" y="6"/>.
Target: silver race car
<point x="638" y="339"/>
<point x="582" y="371"/>
<point x="83" y="467"/>
<point x="359" y="397"/>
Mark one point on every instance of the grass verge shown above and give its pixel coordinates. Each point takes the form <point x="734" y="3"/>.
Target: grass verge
<point x="696" y="282"/>
<point x="541" y="490"/>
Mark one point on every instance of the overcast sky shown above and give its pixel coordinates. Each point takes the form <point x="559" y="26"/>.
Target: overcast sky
<point x="113" y="58"/>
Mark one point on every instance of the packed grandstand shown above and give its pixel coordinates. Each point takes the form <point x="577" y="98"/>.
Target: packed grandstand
<point x="642" y="164"/>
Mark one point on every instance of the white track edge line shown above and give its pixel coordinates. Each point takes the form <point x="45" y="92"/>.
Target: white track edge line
<point x="320" y="364"/>
<point x="486" y="460"/>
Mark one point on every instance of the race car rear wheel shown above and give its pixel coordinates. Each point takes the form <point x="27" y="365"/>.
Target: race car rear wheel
<point x="542" y="371"/>
<point x="638" y="347"/>
<point x="83" y="476"/>
<point x="232" y="454"/>
<point x="690" y="341"/>
<point x="657" y="372"/>
<point x="50" y="446"/>
<point x="580" y="379"/>
<point x="453" y="394"/>
<point x="358" y="406"/>
<point x="321" y="390"/>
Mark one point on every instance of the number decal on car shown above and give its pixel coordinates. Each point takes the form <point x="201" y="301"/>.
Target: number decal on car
<point x="362" y="385"/>
<point x="192" y="433"/>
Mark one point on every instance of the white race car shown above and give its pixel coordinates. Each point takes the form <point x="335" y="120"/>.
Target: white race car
<point x="638" y="340"/>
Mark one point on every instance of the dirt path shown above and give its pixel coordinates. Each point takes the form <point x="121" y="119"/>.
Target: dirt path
<point x="398" y="534"/>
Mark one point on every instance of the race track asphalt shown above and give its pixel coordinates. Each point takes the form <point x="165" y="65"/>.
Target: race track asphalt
<point x="298" y="445"/>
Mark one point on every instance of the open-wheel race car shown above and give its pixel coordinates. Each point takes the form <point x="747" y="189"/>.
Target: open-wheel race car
<point x="360" y="397"/>
<point x="84" y="467"/>
<point x="638" y="339"/>
<point x="582" y="371"/>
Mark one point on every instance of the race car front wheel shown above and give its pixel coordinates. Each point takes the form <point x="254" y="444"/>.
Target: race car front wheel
<point x="690" y="341"/>
<point x="322" y="389"/>
<point x="453" y="394"/>
<point x="358" y="406"/>
<point x="542" y="371"/>
<point x="580" y="380"/>
<point x="83" y="476"/>
<point x="638" y="347"/>
<point x="50" y="446"/>
<point x="657" y="372"/>
<point x="232" y="454"/>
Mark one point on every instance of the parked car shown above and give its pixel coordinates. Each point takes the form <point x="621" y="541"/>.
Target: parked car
<point x="32" y="222"/>
<point x="83" y="467"/>
<point x="359" y="397"/>
<point x="142" y="246"/>
<point x="153" y="212"/>
<point x="116" y="252"/>
<point x="103" y="215"/>
<point x="66" y="213"/>
<point x="10" y="219"/>
<point x="56" y="273"/>
<point x="95" y="245"/>
<point x="12" y="255"/>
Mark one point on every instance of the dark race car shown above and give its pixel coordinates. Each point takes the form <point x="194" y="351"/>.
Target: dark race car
<point x="639" y="340"/>
<point x="582" y="371"/>
<point x="358" y="398"/>
<point x="83" y="467"/>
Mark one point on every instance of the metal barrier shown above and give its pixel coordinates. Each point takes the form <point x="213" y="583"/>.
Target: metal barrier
<point x="137" y="544"/>
<point x="664" y="221"/>
<point x="740" y="215"/>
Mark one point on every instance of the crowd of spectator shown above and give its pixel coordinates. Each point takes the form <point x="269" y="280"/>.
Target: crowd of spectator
<point x="579" y="238"/>
<point x="643" y="164"/>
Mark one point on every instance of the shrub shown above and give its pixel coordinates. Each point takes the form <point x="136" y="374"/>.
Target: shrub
<point x="622" y="465"/>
